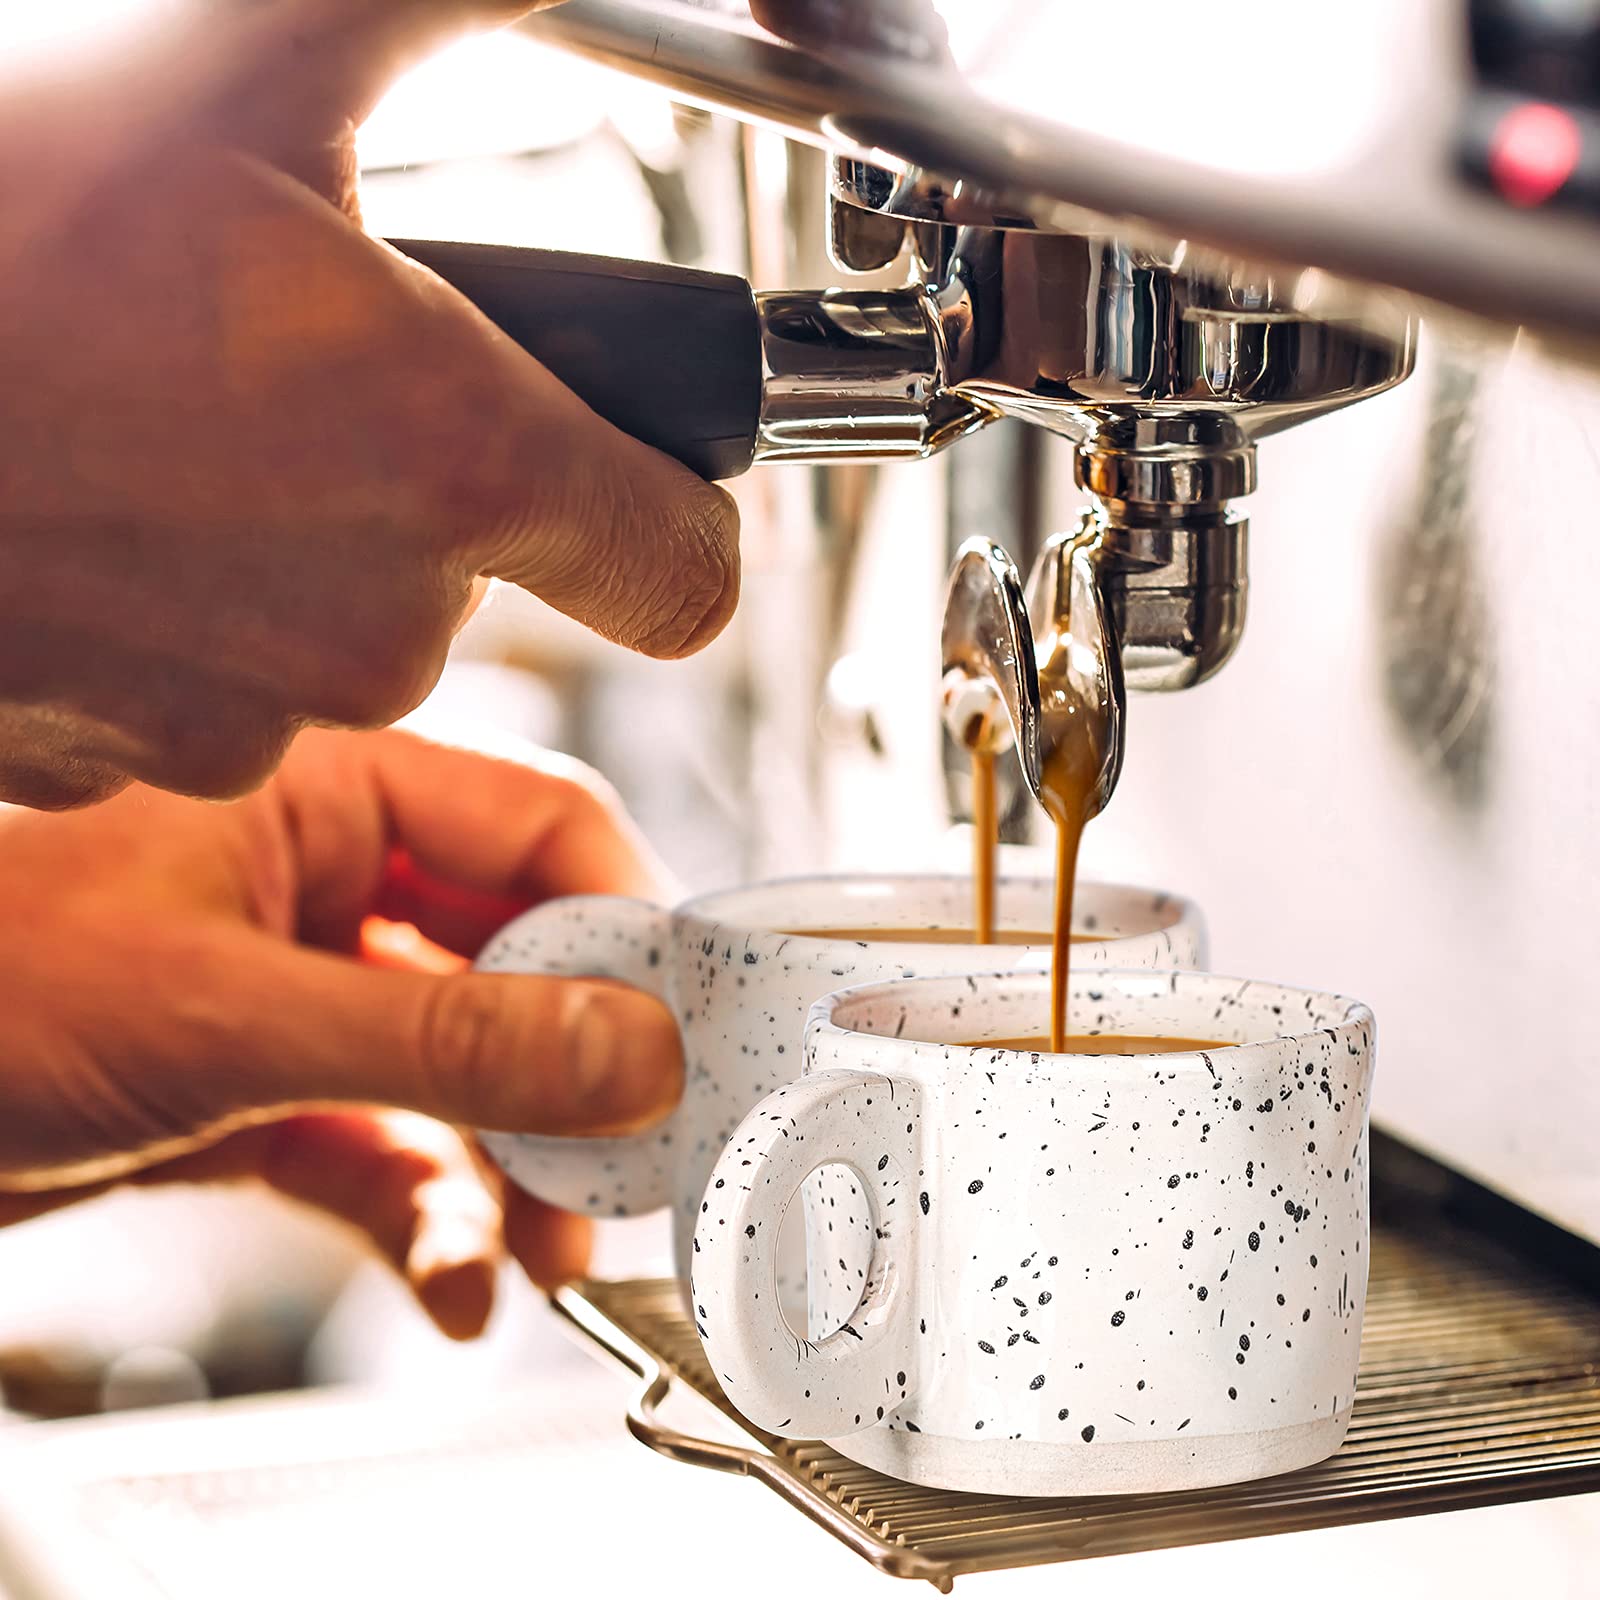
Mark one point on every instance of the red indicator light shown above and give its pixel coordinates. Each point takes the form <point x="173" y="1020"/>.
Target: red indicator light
<point x="1533" y="152"/>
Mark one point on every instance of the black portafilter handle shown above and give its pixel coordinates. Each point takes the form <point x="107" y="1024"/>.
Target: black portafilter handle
<point x="667" y="354"/>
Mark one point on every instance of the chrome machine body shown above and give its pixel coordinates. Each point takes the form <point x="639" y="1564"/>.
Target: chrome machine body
<point x="1162" y="371"/>
<point x="1165" y="255"/>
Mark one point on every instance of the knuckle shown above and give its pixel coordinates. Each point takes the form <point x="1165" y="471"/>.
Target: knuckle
<point x="585" y="796"/>
<point x="381" y="692"/>
<point x="213" y="762"/>
<point x="470" y="1052"/>
<point x="59" y="785"/>
<point x="380" y="679"/>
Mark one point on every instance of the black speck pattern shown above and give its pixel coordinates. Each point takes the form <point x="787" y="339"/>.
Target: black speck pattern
<point x="1106" y="1291"/>
<point x="742" y="996"/>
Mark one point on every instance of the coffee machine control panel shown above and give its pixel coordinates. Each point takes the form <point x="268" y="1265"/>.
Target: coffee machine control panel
<point x="1531" y="124"/>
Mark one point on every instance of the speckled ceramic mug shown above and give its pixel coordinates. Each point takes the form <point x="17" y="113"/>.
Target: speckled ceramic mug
<point x="1091" y="1274"/>
<point x="741" y="989"/>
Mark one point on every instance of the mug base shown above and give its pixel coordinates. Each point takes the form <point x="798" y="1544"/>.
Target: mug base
<point x="1032" y="1467"/>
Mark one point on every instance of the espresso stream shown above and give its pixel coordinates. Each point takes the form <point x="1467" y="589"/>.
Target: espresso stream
<point x="1075" y="738"/>
<point x="1075" y="735"/>
<point x="985" y="845"/>
<point x="1069" y="780"/>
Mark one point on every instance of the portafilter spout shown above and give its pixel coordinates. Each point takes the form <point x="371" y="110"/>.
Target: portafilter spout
<point x="996" y="639"/>
<point x="991" y="678"/>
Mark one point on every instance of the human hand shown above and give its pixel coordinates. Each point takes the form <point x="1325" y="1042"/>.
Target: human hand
<point x="252" y="462"/>
<point x="185" y="1000"/>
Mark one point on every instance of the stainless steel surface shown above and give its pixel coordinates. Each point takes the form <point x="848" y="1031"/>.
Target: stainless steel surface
<point x="990" y="680"/>
<point x="996" y="641"/>
<point x="914" y="194"/>
<point x="1080" y="663"/>
<point x="1162" y="363"/>
<point x="1335" y="150"/>
<point x="1478" y="1387"/>
<point x="1078" y="332"/>
<point x="1190" y="458"/>
<point x="1164" y="375"/>
<point x="860" y="240"/>
<point x="996" y="482"/>
<point x="1176" y="589"/>
<point x="855" y="373"/>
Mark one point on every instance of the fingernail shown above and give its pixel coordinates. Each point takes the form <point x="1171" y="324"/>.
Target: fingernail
<point x="627" y="1060"/>
<point x="452" y="1267"/>
<point x="459" y="1297"/>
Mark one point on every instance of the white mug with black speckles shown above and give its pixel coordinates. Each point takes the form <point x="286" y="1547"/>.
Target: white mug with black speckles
<point x="741" y="989"/>
<point x="1091" y="1274"/>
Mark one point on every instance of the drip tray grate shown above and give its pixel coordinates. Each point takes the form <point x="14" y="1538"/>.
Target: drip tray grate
<point x="1480" y="1384"/>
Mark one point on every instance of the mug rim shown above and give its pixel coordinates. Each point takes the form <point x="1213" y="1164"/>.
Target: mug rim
<point x="708" y="908"/>
<point x="1355" y="1018"/>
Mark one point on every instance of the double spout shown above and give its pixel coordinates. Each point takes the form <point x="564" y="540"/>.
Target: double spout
<point x="1018" y="666"/>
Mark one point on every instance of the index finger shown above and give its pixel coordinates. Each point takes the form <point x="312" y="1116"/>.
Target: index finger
<point x="479" y="837"/>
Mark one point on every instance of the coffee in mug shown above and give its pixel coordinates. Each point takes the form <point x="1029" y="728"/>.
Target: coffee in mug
<point x="1101" y="1044"/>
<point x="998" y="936"/>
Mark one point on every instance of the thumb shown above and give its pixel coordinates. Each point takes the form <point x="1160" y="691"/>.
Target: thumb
<point x="559" y="1056"/>
<point x="617" y="535"/>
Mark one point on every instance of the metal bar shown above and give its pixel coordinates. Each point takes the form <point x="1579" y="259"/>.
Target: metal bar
<point x="1401" y="222"/>
<point x="1480" y="1386"/>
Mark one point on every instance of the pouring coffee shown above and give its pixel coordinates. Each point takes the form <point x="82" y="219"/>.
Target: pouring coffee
<point x="1046" y="679"/>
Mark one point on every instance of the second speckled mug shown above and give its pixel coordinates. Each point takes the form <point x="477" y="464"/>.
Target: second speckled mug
<point x="1089" y="1274"/>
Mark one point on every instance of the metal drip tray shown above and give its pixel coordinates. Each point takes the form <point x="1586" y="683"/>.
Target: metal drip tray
<point x="1480" y="1385"/>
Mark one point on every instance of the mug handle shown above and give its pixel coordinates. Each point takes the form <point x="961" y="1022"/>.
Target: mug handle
<point x="786" y="1384"/>
<point x="589" y="936"/>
